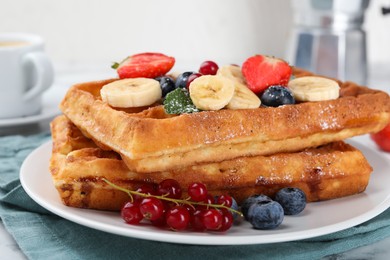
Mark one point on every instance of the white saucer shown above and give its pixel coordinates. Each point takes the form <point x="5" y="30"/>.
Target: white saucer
<point x="50" y="101"/>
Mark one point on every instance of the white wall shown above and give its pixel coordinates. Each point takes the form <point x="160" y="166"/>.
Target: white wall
<point x="224" y="30"/>
<point x="228" y="31"/>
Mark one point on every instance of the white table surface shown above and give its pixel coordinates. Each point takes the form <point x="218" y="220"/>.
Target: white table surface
<point x="68" y="74"/>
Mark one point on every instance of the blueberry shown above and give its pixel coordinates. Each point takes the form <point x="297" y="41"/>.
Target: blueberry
<point x="235" y="207"/>
<point x="275" y="96"/>
<point x="293" y="200"/>
<point x="251" y="200"/>
<point x="181" y="81"/>
<point x="267" y="214"/>
<point x="167" y="84"/>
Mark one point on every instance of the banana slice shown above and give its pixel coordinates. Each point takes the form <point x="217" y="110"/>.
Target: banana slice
<point x="134" y="92"/>
<point x="243" y="97"/>
<point x="232" y="72"/>
<point x="313" y="88"/>
<point x="211" y="92"/>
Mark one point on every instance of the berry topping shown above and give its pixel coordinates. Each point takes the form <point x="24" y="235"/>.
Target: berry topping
<point x="167" y="84"/>
<point x="251" y="200"/>
<point x="191" y="208"/>
<point x="131" y="213"/>
<point x="212" y="219"/>
<point x="197" y="223"/>
<point x="197" y="191"/>
<point x="164" y="210"/>
<point x="169" y="188"/>
<point x="151" y="208"/>
<point x="225" y="200"/>
<point x="147" y="188"/>
<point x="208" y="200"/>
<point x="382" y="138"/>
<point x="208" y="68"/>
<point x="293" y="200"/>
<point x="182" y="79"/>
<point x="275" y="96"/>
<point x="235" y="207"/>
<point x="227" y="220"/>
<point x="160" y="222"/>
<point x="262" y="71"/>
<point x="178" y="218"/>
<point x="191" y="78"/>
<point x="267" y="214"/>
<point x="144" y="65"/>
<point x="179" y="102"/>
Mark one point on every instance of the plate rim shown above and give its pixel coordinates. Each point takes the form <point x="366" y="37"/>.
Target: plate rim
<point x="188" y="238"/>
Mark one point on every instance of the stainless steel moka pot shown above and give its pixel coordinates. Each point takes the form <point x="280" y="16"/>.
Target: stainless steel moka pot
<point x="327" y="38"/>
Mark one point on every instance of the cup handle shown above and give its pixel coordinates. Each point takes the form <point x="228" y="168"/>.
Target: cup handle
<point x="45" y="73"/>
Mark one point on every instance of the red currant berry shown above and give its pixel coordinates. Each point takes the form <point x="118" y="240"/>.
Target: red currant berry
<point x="225" y="200"/>
<point x="208" y="68"/>
<point x="209" y="200"/>
<point x="191" y="78"/>
<point x="227" y="220"/>
<point x="151" y="208"/>
<point x="160" y="222"/>
<point x="170" y="188"/>
<point x="197" y="220"/>
<point x="191" y="209"/>
<point x="197" y="191"/>
<point x="212" y="219"/>
<point x="131" y="213"/>
<point x="178" y="218"/>
<point x="146" y="188"/>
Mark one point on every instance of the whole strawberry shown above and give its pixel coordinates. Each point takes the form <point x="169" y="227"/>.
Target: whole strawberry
<point x="262" y="71"/>
<point x="144" y="65"/>
<point x="382" y="138"/>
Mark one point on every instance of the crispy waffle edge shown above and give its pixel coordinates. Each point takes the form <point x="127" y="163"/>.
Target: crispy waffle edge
<point x="153" y="141"/>
<point x="78" y="167"/>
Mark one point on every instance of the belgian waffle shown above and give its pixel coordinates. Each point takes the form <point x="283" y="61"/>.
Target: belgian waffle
<point x="78" y="167"/>
<point x="152" y="141"/>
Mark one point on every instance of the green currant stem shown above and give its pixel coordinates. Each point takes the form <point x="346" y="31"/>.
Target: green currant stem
<point x="176" y="201"/>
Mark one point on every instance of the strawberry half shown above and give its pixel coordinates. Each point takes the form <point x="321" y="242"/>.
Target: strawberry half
<point x="262" y="71"/>
<point x="382" y="138"/>
<point x="144" y="65"/>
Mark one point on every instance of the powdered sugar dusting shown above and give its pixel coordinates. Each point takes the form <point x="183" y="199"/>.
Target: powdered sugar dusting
<point x="326" y="120"/>
<point x="218" y="128"/>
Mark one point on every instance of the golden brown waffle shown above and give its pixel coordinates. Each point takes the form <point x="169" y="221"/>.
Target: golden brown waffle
<point x="78" y="167"/>
<point x="154" y="141"/>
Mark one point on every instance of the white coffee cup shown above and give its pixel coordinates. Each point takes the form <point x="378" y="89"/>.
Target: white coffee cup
<point x="25" y="73"/>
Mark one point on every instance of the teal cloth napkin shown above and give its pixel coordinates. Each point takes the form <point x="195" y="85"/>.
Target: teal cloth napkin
<point x="42" y="235"/>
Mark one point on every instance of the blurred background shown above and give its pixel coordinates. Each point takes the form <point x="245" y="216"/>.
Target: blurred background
<point x="226" y="31"/>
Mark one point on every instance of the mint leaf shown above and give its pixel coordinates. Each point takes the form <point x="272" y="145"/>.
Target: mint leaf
<point x="178" y="101"/>
<point x="115" y="65"/>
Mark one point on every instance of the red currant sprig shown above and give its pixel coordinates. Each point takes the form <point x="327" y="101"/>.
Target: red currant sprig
<point x="198" y="211"/>
<point x="165" y="197"/>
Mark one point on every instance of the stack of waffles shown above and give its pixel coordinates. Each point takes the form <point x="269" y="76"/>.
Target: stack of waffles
<point x="238" y="152"/>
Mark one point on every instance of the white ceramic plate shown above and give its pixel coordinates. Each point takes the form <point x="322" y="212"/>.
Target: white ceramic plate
<point x="50" y="100"/>
<point x="317" y="219"/>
